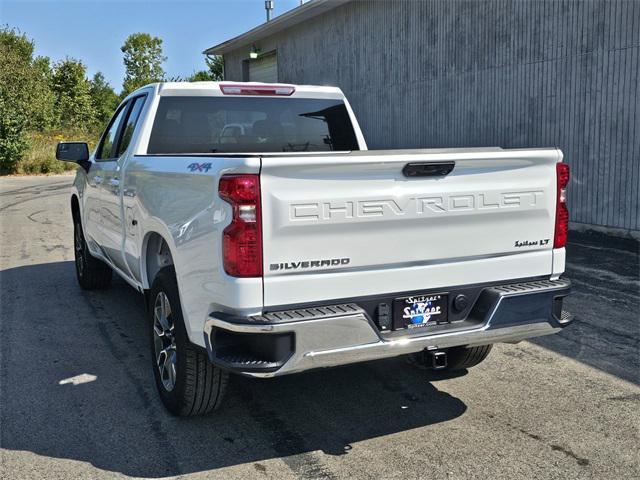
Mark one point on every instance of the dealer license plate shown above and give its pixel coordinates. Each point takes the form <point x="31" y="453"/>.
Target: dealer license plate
<point x="419" y="311"/>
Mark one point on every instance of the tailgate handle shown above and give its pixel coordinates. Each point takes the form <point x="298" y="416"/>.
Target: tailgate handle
<point x="439" y="169"/>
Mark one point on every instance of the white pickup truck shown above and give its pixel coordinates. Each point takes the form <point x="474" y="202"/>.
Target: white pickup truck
<point x="268" y="240"/>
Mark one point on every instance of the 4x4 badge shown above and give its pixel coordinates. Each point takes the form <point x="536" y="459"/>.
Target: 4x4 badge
<point x="199" y="167"/>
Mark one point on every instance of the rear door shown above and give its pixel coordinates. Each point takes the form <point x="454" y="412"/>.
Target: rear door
<point x="119" y="222"/>
<point x="339" y="226"/>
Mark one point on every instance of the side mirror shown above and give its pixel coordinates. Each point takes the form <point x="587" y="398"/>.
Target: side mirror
<point x="77" y="152"/>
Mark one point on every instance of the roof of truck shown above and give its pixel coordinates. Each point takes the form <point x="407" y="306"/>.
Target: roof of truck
<point x="207" y="89"/>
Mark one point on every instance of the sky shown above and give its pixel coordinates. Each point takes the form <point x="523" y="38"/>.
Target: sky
<point x="94" y="30"/>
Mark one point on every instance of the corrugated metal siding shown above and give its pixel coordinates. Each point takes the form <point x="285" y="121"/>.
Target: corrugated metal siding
<point x="477" y="73"/>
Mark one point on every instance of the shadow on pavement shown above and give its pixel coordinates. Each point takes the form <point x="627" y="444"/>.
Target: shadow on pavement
<point x="52" y="331"/>
<point x="605" y="299"/>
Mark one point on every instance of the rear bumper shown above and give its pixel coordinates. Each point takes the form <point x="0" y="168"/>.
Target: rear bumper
<point x="292" y="341"/>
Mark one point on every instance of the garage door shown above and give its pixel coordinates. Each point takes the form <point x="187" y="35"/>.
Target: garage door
<point x="264" y="69"/>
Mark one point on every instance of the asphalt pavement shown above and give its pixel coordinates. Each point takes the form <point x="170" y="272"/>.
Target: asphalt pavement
<point x="78" y="400"/>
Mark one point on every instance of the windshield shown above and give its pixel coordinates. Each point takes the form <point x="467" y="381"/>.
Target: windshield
<point x="250" y="124"/>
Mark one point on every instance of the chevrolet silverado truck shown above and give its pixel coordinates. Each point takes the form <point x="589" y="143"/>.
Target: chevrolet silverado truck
<point x="268" y="240"/>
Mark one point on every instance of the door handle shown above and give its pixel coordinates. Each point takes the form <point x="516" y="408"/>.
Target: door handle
<point x="114" y="184"/>
<point x="97" y="180"/>
<point x="420" y="169"/>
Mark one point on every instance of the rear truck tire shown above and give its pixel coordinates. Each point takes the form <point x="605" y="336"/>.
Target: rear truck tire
<point x="188" y="383"/>
<point x="92" y="273"/>
<point x="462" y="358"/>
<point x="458" y="358"/>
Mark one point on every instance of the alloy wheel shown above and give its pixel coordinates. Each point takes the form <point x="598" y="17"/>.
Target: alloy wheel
<point x="164" y="341"/>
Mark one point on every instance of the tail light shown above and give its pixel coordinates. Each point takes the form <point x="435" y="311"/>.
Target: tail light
<point x="242" y="239"/>
<point x="562" y="213"/>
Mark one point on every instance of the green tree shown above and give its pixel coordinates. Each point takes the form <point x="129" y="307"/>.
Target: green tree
<point x="214" y="71"/>
<point x="200" y="76"/>
<point x="25" y="99"/>
<point x="73" y="100"/>
<point x="215" y="64"/>
<point x="17" y="43"/>
<point x="43" y="101"/>
<point x="13" y="108"/>
<point x="143" y="60"/>
<point x="103" y="98"/>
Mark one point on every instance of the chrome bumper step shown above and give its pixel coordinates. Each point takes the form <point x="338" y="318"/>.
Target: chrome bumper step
<point x="344" y="333"/>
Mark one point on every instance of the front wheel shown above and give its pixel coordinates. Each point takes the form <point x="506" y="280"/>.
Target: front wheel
<point x="92" y="273"/>
<point x="187" y="382"/>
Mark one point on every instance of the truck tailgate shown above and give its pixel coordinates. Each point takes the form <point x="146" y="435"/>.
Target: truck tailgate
<point x="340" y="226"/>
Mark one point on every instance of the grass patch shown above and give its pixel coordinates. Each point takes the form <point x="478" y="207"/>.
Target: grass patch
<point x="40" y="158"/>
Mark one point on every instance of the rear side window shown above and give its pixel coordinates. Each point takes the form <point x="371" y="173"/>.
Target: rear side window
<point x="107" y="148"/>
<point x="243" y="124"/>
<point x="132" y="119"/>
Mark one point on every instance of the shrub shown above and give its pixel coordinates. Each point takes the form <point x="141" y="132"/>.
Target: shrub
<point x="40" y="157"/>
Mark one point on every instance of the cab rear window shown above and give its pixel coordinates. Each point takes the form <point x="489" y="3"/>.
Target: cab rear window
<point x="192" y="125"/>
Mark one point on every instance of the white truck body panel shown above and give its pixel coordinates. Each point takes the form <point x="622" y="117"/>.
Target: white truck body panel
<point x="398" y="234"/>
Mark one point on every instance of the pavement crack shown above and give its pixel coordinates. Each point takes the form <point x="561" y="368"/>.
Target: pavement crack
<point x="579" y="460"/>
<point x="634" y="397"/>
<point x="583" y="462"/>
<point x="36" y="189"/>
<point x="41" y="222"/>
<point x="39" y="197"/>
